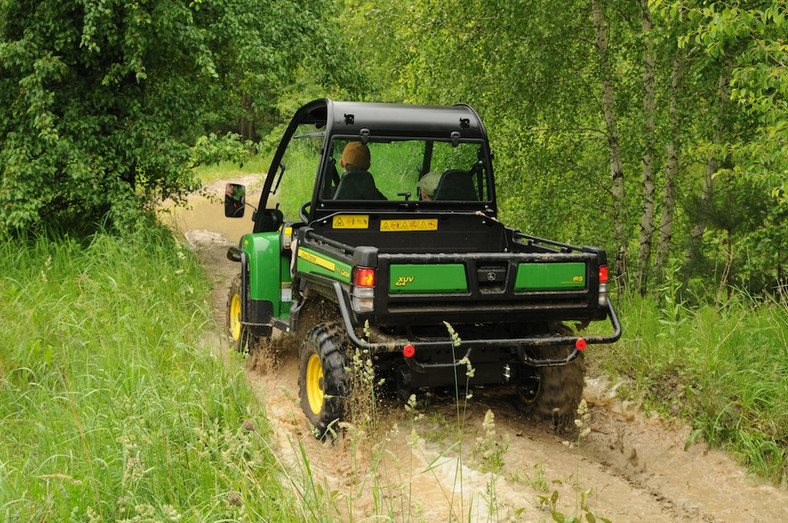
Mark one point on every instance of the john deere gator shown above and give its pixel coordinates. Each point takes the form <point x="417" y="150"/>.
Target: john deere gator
<point x="377" y="232"/>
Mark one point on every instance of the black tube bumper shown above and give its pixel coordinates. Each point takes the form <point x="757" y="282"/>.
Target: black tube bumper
<point x="467" y="346"/>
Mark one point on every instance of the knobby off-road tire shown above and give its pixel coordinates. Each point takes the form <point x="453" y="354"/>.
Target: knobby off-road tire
<point x="323" y="378"/>
<point x="241" y="338"/>
<point x="560" y="390"/>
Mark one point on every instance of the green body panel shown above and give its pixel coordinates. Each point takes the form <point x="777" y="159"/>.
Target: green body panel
<point x="318" y="263"/>
<point x="415" y="278"/>
<point x="550" y="276"/>
<point x="267" y="270"/>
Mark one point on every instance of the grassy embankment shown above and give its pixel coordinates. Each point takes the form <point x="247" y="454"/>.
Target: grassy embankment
<point x="112" y="405"/>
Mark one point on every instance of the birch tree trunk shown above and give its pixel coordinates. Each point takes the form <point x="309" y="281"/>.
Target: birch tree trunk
<point x="712" y="165"/>
<point x="647" y="181"/>
<point x="671" y="169"/>
<point x="613" y="141"/>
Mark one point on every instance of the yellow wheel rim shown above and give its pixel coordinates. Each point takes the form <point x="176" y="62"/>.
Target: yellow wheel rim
<point x="314" y="384"/>
<point x="235" y="317"/>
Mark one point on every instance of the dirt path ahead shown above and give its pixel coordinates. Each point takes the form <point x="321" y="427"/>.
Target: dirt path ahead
<point x="444" y="462"/>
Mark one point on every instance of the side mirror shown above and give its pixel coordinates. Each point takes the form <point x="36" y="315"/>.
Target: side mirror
<point x="234" y="200"/>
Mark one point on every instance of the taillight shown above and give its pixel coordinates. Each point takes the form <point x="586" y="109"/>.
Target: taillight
<point x="603" y="286"/>
<point x="363" y="277"/>
<point x="362" y="292"/>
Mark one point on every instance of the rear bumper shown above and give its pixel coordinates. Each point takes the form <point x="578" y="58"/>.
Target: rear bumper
<point x="465" y="348"/>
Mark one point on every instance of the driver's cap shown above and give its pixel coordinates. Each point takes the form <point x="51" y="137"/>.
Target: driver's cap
<point x="356" y="154"/>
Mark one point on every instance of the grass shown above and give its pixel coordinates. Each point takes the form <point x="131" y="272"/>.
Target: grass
<point x="112" y="407"/>
<point x="722" y="367"/>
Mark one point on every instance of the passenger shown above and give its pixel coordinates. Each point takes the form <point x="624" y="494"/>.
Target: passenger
<point x="428" y="184"/>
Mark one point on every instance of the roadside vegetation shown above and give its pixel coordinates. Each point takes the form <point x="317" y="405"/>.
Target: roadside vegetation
<point x="114" y="401"/>
<point x="656" y="129"/>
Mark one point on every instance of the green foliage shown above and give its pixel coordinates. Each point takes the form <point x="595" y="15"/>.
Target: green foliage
<point x="111" y="405"/>
<point x="533" y="73"/>
<point x="102" y="102"/>
<point x="753" y="36"/>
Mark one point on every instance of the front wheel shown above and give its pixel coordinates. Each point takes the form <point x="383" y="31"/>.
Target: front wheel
<point x="241" y="338"/>
<point x="323" y="379"/>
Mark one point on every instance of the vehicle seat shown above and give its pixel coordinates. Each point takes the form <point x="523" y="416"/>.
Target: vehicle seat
<point x="456" y="184"/>
<point x="357" y="185"/>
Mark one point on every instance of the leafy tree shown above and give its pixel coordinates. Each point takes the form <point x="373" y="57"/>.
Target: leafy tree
<point x="690" y="94"/>
<point x="101" y="101"/>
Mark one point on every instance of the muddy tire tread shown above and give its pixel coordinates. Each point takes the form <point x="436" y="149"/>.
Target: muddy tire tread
<point x="329" y="343"/>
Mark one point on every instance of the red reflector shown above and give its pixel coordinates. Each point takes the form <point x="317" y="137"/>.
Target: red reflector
<point x="408" y="351"/>
<point x="363" y="277"/>
<point x="580" y="344"/>
<point x="603" y="274"/>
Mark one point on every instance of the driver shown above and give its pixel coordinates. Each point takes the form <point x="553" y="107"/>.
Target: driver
<point x="356" y="182"/>
<point x="355" y="157"/>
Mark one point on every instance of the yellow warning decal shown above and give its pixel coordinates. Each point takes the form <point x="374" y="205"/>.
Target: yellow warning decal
<point x="408" y="225"/>
<point x="287" y="237"/>
<point x="317" y="260"/>
<point x="350" y="221"/>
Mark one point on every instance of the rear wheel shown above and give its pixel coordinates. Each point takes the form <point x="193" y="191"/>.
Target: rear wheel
<point x="557" y="394"/>
<point x="323" y="378"/>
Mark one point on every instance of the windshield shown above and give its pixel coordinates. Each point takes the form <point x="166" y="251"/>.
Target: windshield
<point x="405" y="170"/>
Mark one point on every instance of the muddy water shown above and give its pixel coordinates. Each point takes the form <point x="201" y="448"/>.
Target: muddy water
<point x="434" y="464"/>
<point x="202" y="219"/>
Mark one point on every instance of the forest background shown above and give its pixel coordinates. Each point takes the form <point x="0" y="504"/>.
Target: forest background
<point x="655" y="129"/>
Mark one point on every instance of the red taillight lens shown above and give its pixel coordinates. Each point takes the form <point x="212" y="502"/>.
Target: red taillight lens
<point x="580" y="344"/>
<point x="409" y="351"/>
<point x="363" y="277"/>
<point x="603" y="274"/>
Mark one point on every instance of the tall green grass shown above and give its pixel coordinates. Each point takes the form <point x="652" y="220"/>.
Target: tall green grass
<point x="112" y="407"/>
<point x="722" y="366"/>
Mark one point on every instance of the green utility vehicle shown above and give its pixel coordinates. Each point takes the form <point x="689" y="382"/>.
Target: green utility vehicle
<point x="376" y="231"/>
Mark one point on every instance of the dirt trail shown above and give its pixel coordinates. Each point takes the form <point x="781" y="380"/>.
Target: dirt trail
<point x="628" y="468"/>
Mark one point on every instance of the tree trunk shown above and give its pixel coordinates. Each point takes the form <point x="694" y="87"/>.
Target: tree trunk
<point x="647" y="181"/>
<point x="712" y="165"/>
<point x="671" y="169"/>
<point x="247" y="123"/>
<point x="613" y="141"/>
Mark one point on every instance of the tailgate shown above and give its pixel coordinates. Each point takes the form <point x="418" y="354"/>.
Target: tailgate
<point x="425" y="288"/>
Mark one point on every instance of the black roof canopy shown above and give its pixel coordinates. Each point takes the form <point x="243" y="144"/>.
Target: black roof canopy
<point x="381" y="122"/>
<point x="384" y="119"/>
